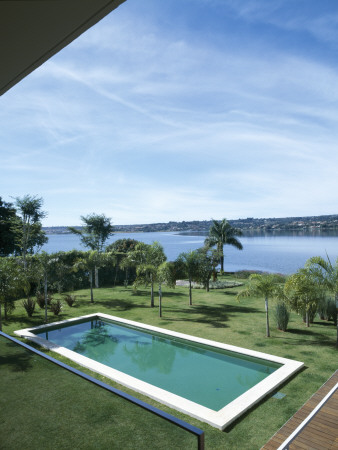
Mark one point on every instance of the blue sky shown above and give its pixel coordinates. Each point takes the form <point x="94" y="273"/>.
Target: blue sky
<point x="182" y="110"/>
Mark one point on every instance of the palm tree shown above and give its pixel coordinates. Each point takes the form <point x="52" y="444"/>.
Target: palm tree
<point x="188" y="263"/>
<point x="44" y="268"/>
<point x="12" y="280"/>
<point x="303" y="292"/>
<point x="165" y="274"/>
<point x="90" y="261"/>
<point x="147" y="259"/>
<point x="27" y="227"/>
<point x="266" y="285"/>
<point x="222" y="233"/>
<point x="95" y="231"/>
<point x="327" y="274"/>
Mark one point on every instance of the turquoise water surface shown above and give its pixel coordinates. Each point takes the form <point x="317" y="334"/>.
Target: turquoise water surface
<point x="206" y="375"/>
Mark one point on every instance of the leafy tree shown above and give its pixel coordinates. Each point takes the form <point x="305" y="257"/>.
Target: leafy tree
<point x="222" y="233"/>
<point x="12" y="281"/>
<point x="120" y="249"/>
<point x="189" y="263"/>
<point x="7" y="236"/>
<point x="27" y="227"/>
<point x="122" y="246"/>
<point x="208" y="261"/>
<point x="303" y="292"/>
<point x="326" y="274"/>
<point x="267" y="285"/>
<point x="95" y="231"/>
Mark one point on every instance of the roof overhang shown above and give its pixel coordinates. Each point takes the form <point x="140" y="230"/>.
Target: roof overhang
<point x="32" y="31"/>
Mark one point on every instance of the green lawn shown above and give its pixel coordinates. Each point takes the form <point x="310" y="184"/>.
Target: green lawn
<point x="215" y="315"/>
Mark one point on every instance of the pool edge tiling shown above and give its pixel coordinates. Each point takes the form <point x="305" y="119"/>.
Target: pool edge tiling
<point x="219" y="419"/>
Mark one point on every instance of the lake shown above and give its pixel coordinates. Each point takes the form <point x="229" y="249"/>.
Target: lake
<point x="276" y="251"/>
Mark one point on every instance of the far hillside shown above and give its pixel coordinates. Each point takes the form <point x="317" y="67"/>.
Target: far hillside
<point x="328" y="222"/>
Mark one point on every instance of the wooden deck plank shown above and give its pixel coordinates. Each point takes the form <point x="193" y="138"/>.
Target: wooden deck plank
<point x="321" y="432"/>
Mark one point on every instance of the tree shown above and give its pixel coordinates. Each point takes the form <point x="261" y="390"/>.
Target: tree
<point x="27" y="227"/>
<point x="95" y="231"/>
<point x="326" y="274"/>
<point x="208" y="261"/>
<point x="122" y="245"/>
<point x="120" y="248"/>
<point x="222" y="233"/>
<point x="45" y="268"/>
<point x="12" y="281"/>
<point x="189" y="264"/>
<point x="7" y="236"/>
<point x="303" y="292"/>
<point x="266" y="285"/>
<point x="147" y="259"/>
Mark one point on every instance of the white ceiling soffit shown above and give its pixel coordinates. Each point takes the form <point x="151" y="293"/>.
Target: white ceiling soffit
<point x="32" y="31"/>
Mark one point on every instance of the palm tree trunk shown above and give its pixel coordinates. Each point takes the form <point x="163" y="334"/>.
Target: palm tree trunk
<point x="152" y="303"/>
<point x="222" y="258"/>
<point x="5" y="310"/>
<point x="0" y="318"/>
<point x="91" y="286"/>
<point x="267" y="317"/>
<point x="46" y="297"/>
<point x="160" y="298"/>
<point x="190" y="293"/>
<point x="307" y="315"/>
<point x="116" y="268"/>
<point x="96" y="277"/>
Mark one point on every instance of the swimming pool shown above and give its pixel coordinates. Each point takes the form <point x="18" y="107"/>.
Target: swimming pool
<point x="211" y="381"/>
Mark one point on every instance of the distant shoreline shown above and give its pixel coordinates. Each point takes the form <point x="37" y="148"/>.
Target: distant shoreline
<point x="327" y="222"/>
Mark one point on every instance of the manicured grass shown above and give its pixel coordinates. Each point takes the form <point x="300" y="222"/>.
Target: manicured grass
<point x="44" y="406"/>
<point x="218" y="316"/>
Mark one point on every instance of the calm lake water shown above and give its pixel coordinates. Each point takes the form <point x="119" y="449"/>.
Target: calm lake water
<point x="283" y="252"/>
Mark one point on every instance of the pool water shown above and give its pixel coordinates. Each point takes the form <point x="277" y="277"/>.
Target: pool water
<point x="206" y="375"/>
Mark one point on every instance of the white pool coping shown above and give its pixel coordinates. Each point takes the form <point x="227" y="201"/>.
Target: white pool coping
<point x="219" y="419"/>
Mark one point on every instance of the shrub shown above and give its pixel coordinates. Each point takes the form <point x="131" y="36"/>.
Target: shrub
<point x="332" y="311"/>
<point x="29" y="306"/>
<point x="322" y="308"/>
<point x="56" y="307"/>
<point x="40" y="299"/>
<point x="282" y="316"/>
<point x="218" y="285"/>
<point x="69" y="299"/>
<point x="327" y="309"/>
<point x="245" y="274"/>
<point x="224" y="284"/>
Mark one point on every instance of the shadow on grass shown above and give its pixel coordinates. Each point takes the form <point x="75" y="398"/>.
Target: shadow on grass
<point x="120" y="305"/>
<point x="231" y="293"/>
<point x="293" y="336"/>
<point x="215" y="316"/>
<point x="9" y="356"/>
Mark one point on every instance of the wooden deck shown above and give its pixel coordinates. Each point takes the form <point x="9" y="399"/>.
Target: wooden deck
<point x="320" y="432"/>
